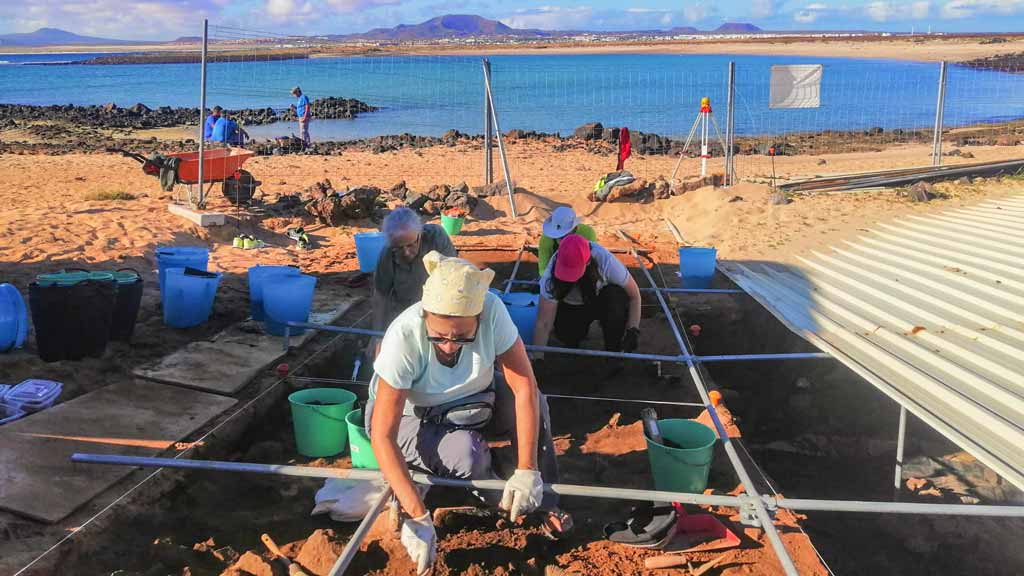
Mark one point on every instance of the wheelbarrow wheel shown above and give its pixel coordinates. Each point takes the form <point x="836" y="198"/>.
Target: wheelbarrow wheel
<point x="240" y="190"/>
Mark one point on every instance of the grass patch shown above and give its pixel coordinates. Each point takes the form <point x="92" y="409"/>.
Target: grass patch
<point x="115" y="195"/>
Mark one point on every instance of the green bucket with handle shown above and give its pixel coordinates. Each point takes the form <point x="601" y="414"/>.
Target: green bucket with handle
<point x="452" y="225"/>
<point x="359" y="442"/>
<point x="318" y="417"/>
<point x="686" y="468"/>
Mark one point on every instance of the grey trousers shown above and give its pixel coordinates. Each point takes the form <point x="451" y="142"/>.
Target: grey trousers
<point x="304" y="131"/>
<point x="441" y="450"/>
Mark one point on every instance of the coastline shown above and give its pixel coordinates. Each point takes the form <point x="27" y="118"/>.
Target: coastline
<point x="908" y="48"/>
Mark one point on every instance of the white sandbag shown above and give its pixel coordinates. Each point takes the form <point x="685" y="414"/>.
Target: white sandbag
<point x="347" y="500"/>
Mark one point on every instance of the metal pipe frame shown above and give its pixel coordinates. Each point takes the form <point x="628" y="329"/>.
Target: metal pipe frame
<point x="730" y="127"/>
<point x="580" y="351"/>
<point x="613" y="493"/>
<point x="901" y="435"/>
<point x="352" y="548"/>
<point x="515" y="270"/>
<point x="760" y="511"/>
<point x="512" y="281"/>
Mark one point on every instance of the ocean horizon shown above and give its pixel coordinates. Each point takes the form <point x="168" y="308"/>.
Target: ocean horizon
<point x="554" y="93"/>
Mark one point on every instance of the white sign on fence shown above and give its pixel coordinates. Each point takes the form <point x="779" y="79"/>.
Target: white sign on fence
<point x="795" y="86"/>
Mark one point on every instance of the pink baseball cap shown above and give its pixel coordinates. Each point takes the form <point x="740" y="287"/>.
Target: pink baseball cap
<point x="572" y="258"/>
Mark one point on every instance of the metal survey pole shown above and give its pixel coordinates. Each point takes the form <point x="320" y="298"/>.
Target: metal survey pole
<point x="354" y="543"/>
<point x="202" y="108"/>
<point x="939" y="108"/>
<point x="488" y="129"/>
<point x="898" y="480"/>
<point x="515" y="270"/>
<point x="501" y="144"/>
<point x="730" y="171"/>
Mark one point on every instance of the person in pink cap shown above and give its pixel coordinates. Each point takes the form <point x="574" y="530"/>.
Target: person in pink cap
<point x="584" y="282"/>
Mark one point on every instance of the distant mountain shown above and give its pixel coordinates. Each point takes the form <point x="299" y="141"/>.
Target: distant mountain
<point x="187" y="40"/>
<point x="679" y="30"/>
<point x="448" y="26"/>
<point x="56" y="37"/>
<point x="737" y="28"/>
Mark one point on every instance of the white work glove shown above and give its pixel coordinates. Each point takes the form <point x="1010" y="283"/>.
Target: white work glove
<point x="523" y="492"/>
<point x="420" y="542"/>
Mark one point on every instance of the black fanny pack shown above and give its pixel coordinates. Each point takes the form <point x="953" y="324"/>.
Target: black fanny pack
<point x="468" y="413"/>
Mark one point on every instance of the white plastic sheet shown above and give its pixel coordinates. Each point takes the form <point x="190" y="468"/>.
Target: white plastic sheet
<point x="795" y="86"/>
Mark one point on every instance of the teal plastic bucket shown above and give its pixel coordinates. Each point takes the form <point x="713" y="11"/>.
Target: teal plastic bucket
<point x="71" y="277"/>
<point x="683" y="469"/>
<point x="188" y="298"/>
<point x="368" y="248"/>
<point x="359" y="442"/>
<point x="522" y="307"/>
<point x="697" y="266"/>
<point x="318" y="418"/>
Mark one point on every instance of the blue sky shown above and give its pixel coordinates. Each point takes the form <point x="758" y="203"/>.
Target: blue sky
<point x="162" y="19"/>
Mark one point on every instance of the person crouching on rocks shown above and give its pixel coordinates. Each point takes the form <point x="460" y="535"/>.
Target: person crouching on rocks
<point x="452" y="373"/>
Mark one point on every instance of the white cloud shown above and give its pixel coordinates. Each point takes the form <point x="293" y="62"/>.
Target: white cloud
<point x="880" y="11"/>
<point x="348" y="6"/>
<point x="646" y="10"/>
<point x="550" y="18"/>
<point x="762" y="8"/>
<point x="810" y="13"/>
<point x="697" y="12"/>
<point x="132" y="20"/>
<point x="666" y="19"/>
<point x="289" y="9"/>
<point x="920" y="10"/>
<point x="958" y="9"/>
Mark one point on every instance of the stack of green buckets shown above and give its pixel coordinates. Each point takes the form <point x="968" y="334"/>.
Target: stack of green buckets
<point x="325" y="422"/>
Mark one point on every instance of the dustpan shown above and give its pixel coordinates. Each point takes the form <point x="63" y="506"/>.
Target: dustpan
<point x="700" y="533"/>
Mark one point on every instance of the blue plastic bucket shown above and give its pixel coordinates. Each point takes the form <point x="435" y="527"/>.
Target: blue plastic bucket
<point x="522" y="307"/>
<point x="257" y="274"/>
<point x="697" y="266"/>
<point x="188" y="299"/>
<point x="168" y="257"/>
<point x="368" y="248"/>
<point x="287" y="299"/>
<point x="13" y="318"/>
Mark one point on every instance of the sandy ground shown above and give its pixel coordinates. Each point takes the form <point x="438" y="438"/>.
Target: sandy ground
<point x="45" y="210"/>
<point x="923" y="48"/>
<point x="50" y="223"/>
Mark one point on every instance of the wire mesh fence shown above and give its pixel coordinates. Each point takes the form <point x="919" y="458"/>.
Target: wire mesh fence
<point x="872" y="114"/>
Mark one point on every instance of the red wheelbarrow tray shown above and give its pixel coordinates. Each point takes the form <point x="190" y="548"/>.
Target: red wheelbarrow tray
<point x="218" y="164"/>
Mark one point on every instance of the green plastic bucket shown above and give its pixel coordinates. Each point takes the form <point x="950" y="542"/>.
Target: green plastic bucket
<point x="452" y="225"/>
<point x="318" y="416"/>
<point x="683" y="469"/>
<point x="359" y="442"/>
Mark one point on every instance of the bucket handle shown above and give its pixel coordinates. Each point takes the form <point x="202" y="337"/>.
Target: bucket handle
<point x="329" y="417"/>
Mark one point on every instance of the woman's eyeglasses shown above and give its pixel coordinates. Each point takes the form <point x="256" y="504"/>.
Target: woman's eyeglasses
<point x="443" y="339"/>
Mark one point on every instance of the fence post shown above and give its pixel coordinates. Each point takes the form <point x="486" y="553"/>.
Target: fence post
<point x="488" y="130"/>
<point x="501" y="145"/>
<point x="202" y="109"/>
<point x="730" y="171"/>
<point x="939" y="108"/>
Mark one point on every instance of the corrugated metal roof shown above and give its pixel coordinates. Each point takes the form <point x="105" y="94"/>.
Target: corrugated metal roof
<point x="930" y="309"/>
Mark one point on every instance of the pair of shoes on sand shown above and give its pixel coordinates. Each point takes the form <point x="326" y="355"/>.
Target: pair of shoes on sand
<point x="301" y="238"/>
<point x="247" y="242"/>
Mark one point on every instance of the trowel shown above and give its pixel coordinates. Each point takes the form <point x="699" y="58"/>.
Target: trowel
<point x="293" y="568"/>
